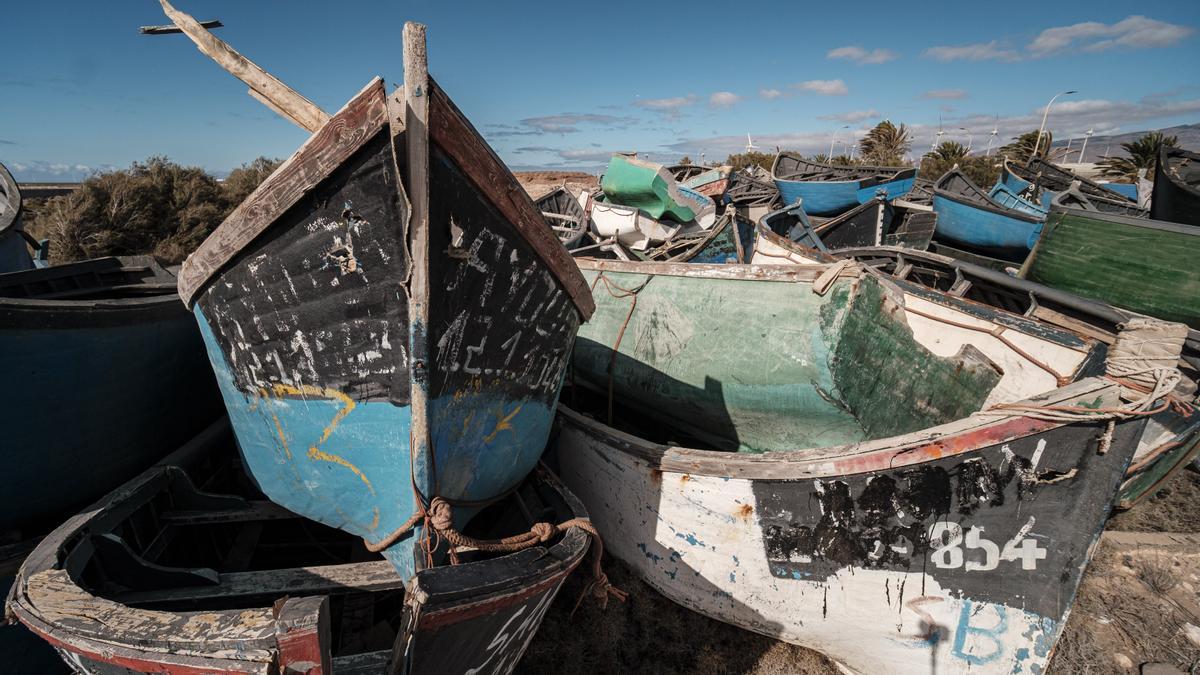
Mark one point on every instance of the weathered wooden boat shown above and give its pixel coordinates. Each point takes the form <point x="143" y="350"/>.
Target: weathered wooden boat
<point x="712" y="181"/>
<point x="828" y="190"/>
<point x="752" y="193"/>
<point x="970" y="218"/>
<point x="628" y="226"/>
<point x="1009" y="199"/>
<point x="1177" y="187"/>
<point x="388" y="316"/>
<point x="106" y="373"/>
<point x="1040" y="181"/>
<point x="1171" y="439"/>
<point x="191" y="570"/>
<point x="919" y="198"/>
<point x="565" y="217"/>
<point x="729" y="241"/>
<point x="1109" y="251"/>
<point x="906" y="515"/>
<point x="14" y="241"/>
<point x="875" y="223"/>
<point x="649" y="187"/>
<point x="1126" y="190"/>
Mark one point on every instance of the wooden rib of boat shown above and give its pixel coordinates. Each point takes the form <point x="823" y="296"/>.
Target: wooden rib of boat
<point x="889" y="524"/>
<point x="1107" y="251"/>
<point x="729" y="241"/>
<point x="388" y="316"/>
<point x="14" y="241"/>
<point x="188" y="569"/>
<point x="969" y="217"/>
<point x="711" y="181"/>
<point x="1043" y="180"/>
<point x="828" y="190"/>
<point x="920" y="197"/>
<point x="106" y="373"/>
<point x="565" y="217"/>
<point x="752" y="194"/>
<point x="1177" y="187"/>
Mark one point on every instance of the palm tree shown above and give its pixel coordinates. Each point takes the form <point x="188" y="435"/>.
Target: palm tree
<point x="842" y="160"/>
<point x="1143" y="153"/>
<point x="886" y="144"/>
<point x="948" y="151"/>
<point x="1021" y="149"/>
<point x="821" y="158"/>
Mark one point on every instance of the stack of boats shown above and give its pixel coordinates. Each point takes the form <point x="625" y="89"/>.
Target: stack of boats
<point x="805" y="424"/>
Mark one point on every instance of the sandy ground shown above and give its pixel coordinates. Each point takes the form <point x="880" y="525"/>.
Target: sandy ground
<point x="538" y="183"/>
<point x="1135" y="604"/>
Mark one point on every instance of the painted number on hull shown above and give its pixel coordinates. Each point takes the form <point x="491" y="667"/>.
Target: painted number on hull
<point x="950" y="546"/>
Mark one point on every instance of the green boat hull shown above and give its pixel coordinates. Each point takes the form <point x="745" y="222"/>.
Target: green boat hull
<point x="1141" y="265"/>
<point x="629" y="181"/>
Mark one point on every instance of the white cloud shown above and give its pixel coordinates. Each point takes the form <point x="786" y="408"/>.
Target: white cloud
<point x="862" y="56"/>
<point x="1134" y="32"/>
<point x="823" y="87"/>
<point x="723" y="99"/>
<point x="980" y="51"/>
<point x="948" y="94"/>
<point x="853" y="117"/>
<point x="671" y="108"/>
<point x="770" y="94"/>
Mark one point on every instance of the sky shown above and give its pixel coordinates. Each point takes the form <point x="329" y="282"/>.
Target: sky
<point x="563" y="85"/>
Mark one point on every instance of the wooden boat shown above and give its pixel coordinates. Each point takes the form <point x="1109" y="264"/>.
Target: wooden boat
<point x="729" y="241"/>
<point x="828" y="190"/>
<point x="712" y="181"/>
<point x="752" y="194"/>
<point x="1108" y="251"/>
<point x="628" y="226"/>
<point x="188" y="569"/>
<point x="1177" y="187"/>
<point x="1127" y="190"/>
<point x="969" y="217"/>
<point x="106" y="373"/>
<point x="388" y="316"/>
<point x="875" y="223"/>
<point x="889" y="524"/>
<point x="1043" y="180"/>
<point x="919" y="198"/>
<point x="14" y="241"/>
<point x="649" y="187"/>
<point x="565" y="217"/>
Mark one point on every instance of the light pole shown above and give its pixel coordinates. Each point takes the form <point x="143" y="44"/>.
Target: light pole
<point x="991" y="139"/>
<point x="1038" y="143"/>
<point x="834" y="138"/>
<point x="852" y="149"/>
<point x="1085" y="140"/>
<point x="937" y="139"/>
<point x="970" y="138"/>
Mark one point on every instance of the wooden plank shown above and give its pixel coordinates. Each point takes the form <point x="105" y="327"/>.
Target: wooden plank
<point x="454" y="134"/>
<point x="355" y="124"/>
<point x="275" y="108"/>
<point x="378" y="575"/>
<point x="259" y="510"/>
<point x="171" y="28"/>
<point x="303" y="111"/>
<point x="303" y="632"/>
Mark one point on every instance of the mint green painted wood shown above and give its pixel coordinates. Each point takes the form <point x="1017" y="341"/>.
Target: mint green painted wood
<point x="1147" y="266"/>
<point x="757" y="365"/>
<point x="629" y="181"/>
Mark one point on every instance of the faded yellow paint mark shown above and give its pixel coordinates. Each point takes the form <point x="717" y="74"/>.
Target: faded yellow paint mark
<point x="374" y="521"/>
<point x="502" y="423"/>
<point x="320" y="455"/>
<point x="315" y="452"/>
<point x="467" y="421"/>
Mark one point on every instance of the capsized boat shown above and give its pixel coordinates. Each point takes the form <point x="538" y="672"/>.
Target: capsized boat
<point x="633" y="182"/>
<point x="14" y="241"/>
<point x="712" y="181"/>
<point x="1177" y="187"/>
<point x="565" y="217"/>
<point x="187" y="568"/>
<point x="106" y="373"/>
<point x="388" y="316"/>
<point x="828" y="190"/>
<point x="752" y="193"/>
<point x="969" y="217"/>
<point x="913" y="495"/>
<point x="1039" y="181"/>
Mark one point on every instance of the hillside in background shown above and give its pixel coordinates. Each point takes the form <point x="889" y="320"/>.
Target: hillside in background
<point x="1189" y="137"/>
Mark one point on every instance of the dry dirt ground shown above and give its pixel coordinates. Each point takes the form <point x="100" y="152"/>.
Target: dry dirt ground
<point x="1136" y="604"/>
<point x="538" y="183"/>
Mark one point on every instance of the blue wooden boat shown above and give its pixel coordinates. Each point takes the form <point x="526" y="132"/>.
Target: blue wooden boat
<point x="389" y="318"/>
<point x="105" y="373"/>
<point x="14" y="241"/>
<point x="829" y="190"/>
<point x="1040" y="181"/>
<point x="966" y="215"/>
<point x="1009" y="199"/>
<point x="1127" y="190"/>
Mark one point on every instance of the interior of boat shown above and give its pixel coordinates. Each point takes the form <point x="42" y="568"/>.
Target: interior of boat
<point x="109" y="278"/>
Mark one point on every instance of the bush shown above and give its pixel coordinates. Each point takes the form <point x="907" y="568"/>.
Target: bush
<point x="984" y="171"/>
<point x="155" y="207"/>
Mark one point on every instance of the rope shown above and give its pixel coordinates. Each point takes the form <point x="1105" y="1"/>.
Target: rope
<point x="625" y="293"/>
<point x="998" y="333"/>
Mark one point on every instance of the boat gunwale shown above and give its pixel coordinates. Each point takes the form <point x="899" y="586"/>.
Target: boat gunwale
<point x="12" y="191"/>
<point x="781" y="273"/>
<point x="990" y="205"/>
<point x="1020" y="171"/>
<point x="978" y="430"/>
<point x="1145" y="223"/>
<point x="868" y="172"/>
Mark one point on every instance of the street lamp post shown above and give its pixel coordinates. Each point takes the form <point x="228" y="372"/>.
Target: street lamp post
<point x="1046" y="113"/>
<point x="834" y="138"/>
<point x="1085" y="140"/>
<point x="991" y="139"/>
<point x="970" y="138"/>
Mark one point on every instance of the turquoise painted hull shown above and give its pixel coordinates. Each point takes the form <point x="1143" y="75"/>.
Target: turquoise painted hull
<point x="347" y="464"/>
<point x="984" y="229"/>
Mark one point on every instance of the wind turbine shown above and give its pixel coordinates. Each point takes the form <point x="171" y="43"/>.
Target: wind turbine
<point x="750" y="146"/>
<point x="1085" y="140"/>
<point x="992" y="135"/>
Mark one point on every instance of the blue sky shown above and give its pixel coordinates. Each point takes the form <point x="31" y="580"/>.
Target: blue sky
<point x="563" y="84"/>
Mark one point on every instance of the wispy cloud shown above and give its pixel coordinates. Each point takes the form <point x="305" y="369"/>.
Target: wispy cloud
<point x="562" y="123"/>
<point x="823" y="87"/>
<point x="37" y="171"/>
<point x="980" y="51"/>
<point x="862" y="56"/>
<point x="769" y="94"/>
<point x="1134" y="32"/>
<point x="852" y="117"/>
<point x="671" y="108"/>
<point x="948" y="94"/>
<point x="7" y="142"/>
<point x="534" y="148"/>
<point x="585" y="156"/>
<point x="723" y="99"/>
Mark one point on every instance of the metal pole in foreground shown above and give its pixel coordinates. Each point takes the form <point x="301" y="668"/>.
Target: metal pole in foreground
<point x="834" y="138"/>
<point x="1038" y="144"/>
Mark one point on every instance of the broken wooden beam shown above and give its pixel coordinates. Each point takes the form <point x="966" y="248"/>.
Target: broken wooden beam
<point x="171" y="28"/>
